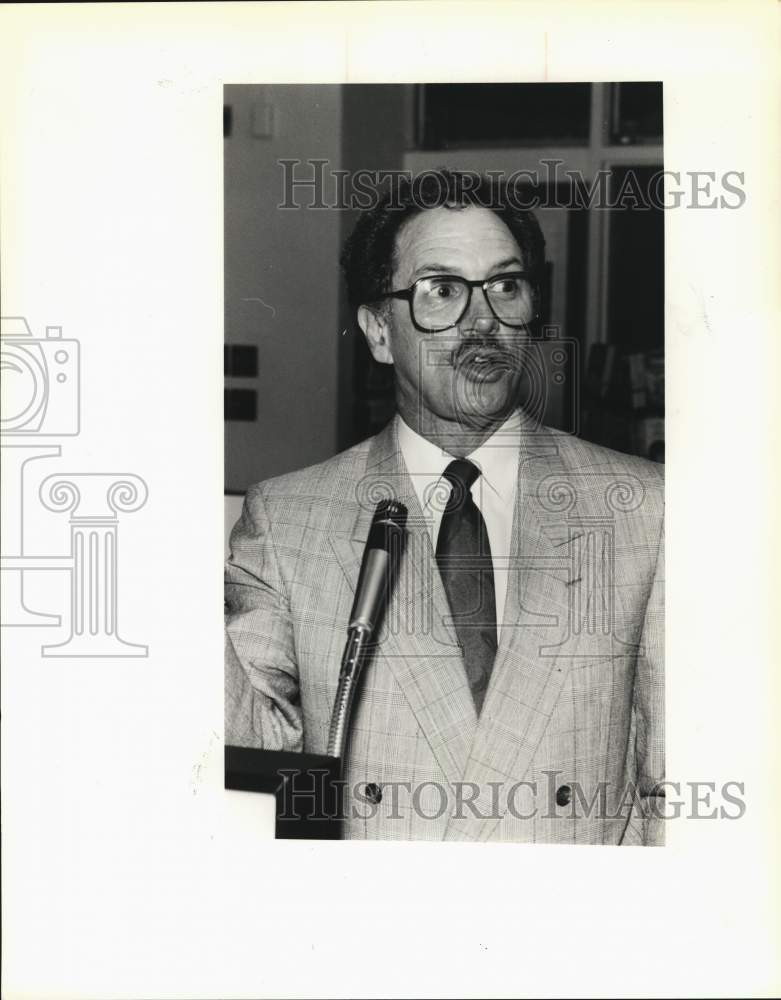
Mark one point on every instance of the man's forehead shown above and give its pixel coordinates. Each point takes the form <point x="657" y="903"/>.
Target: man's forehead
<point x="467" y="233"/>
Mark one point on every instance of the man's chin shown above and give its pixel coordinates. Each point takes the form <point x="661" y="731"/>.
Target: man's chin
<point x="481" y="402"/>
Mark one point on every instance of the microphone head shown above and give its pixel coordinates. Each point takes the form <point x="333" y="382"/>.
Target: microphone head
<point x="380" y="560"/>
<point x="392" y="511"/>
<point x="389" y="521"/>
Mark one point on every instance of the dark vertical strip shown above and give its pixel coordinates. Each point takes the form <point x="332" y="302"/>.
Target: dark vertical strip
<point x="578" y="222"/>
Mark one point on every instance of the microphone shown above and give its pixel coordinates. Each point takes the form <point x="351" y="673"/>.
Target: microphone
<point x="379" y="563"/>
<point x="378" y="568"/>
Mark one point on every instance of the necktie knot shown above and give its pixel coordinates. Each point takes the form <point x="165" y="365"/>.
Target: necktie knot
<point x="460" y="474"/>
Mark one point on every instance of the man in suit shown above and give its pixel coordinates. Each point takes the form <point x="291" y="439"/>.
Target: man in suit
<point x="516" y="691"/>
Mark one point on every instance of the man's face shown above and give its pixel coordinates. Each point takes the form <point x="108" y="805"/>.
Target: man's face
<point x="469" y="374"/>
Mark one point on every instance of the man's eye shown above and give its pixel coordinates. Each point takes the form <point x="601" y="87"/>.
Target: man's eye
<point x="506" y="287"/>
<point x="442" y="289"/>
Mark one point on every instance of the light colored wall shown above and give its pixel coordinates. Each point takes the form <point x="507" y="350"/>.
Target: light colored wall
<point x="289" y="261"/>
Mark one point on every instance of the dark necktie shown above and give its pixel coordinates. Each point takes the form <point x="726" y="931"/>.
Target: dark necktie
<point x="467" y="571"/>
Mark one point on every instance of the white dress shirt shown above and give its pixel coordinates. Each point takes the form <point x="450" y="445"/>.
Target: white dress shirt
<point x="494" y="491"/>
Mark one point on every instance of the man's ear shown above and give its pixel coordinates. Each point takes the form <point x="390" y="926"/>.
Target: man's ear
<point x="375" y="328"/>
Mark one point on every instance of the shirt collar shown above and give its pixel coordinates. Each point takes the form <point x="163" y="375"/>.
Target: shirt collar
<point x="497" y="457"/>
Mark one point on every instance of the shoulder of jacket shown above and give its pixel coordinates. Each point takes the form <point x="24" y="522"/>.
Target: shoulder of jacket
<point x="325" y="479"/>
<point x="584" y="456"/>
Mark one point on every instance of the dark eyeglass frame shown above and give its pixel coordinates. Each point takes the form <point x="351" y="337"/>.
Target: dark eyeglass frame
<point x="409" y="294"/>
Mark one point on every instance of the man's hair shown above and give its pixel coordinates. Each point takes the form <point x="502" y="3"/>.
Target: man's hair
<point x="369" y="254"/>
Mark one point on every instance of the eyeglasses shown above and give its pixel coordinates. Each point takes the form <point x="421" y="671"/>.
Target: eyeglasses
<point x="440" y="301"/>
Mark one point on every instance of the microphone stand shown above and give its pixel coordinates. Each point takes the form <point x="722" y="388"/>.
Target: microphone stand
<point x="352" y="663"/>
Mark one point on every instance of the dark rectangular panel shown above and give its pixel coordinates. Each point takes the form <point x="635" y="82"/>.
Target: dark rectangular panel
<point x="240" y="404"/>
<point x="244" y="360"/>
<point x="635" y="312"/>
<point x="636" y="113"/>
<point x="454" y="115"/>
<point x="240" y="360"/>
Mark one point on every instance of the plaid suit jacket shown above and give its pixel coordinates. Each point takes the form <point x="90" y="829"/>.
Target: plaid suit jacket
<point x="569" y="745"/>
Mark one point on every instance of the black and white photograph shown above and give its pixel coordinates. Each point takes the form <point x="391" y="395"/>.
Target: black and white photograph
<point x="444" y="430"/>
<point x="388" y="436"/>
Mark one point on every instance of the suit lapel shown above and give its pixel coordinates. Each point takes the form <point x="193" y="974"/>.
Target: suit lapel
<point x="420" y="649"/>
<point x="524" y="685"/>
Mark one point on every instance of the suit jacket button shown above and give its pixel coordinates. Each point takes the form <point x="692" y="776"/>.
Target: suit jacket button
<point x="373" y="793"/>
<point x="563" y="795"/>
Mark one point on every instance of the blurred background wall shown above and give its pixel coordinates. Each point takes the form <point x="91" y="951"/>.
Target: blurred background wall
<point x="299" y="382"/>
<point x="282" y="285"/>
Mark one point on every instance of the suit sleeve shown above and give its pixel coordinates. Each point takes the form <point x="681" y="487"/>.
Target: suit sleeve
<point x="646" y="823"/>
<point x="262" y="703"/>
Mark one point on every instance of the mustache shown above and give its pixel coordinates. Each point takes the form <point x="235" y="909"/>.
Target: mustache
<point x="498" y="355"/>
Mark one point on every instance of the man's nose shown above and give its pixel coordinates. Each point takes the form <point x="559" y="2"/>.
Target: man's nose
<point x="485" y="324"/>
<point x="479" y="325"/>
